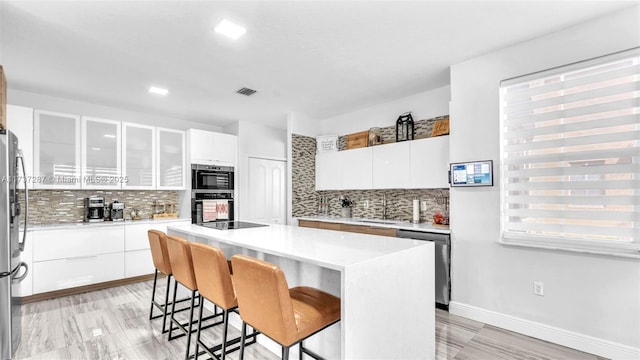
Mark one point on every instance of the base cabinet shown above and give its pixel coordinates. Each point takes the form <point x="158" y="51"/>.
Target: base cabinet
<point x="362" y="229"/>
<point x="137" y="263"/>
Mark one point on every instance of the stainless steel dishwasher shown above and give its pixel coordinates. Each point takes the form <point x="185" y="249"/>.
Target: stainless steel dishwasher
<point x="442" y="261"/>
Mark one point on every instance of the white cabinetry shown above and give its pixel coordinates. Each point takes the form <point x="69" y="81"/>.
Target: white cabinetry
<point x="357" y="169"/>
<point x="328" y="171"/>
<point x="171" y="159"/>
<point x="137" y="256"/>
<point x="68" y="258"/>
<point x="26" y="286"/>
<point x="138" y="156"/>
<point x="212" y="148"/>
<point x="430" y="163"/>
<point x="101" y="160"/>
<point x="391" y="165"/>
<point x="20" y="121"/>
<point x="56" y="149"/>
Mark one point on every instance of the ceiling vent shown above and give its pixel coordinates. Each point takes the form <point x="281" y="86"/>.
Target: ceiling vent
<point x="246" y="91"/>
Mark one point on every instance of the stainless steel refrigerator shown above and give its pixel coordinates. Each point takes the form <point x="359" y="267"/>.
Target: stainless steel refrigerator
<point x="12" y="270"/>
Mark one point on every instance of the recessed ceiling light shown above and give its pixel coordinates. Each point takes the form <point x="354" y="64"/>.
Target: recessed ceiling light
<point x="158" y="91"/>
<point x="227" y="28"/>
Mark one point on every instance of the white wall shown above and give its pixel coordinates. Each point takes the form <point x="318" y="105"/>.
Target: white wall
<point x="590" y="301"/>
<point x="424" y="105"/>
<point x="256" y="140"/>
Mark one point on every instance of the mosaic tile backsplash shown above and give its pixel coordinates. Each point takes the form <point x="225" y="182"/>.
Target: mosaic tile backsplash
<point x="306" y="199"/>
<point x="48" y="207"/>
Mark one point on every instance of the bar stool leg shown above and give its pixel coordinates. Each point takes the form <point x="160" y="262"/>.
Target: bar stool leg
<point x="225" y="324"/>
<point x="153" y="293"/>
<point x="166" y="304"/>
<point x="193" y="299"/>
<point x="301" y="349"/>
<point x="243" y="337"/>
<point x="285" y="353"/>
<point x="173" y="309"/>
<point x="200" y="299"/>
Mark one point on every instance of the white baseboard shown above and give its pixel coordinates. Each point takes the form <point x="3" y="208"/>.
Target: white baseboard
<point x="549" y="333"/>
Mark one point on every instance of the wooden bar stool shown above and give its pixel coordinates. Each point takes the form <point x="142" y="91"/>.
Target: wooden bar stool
<point x="215" y="283"/>
<point x="182" y="267"/>
<point x="160" y="256"/>
<point x="287" y="316"/>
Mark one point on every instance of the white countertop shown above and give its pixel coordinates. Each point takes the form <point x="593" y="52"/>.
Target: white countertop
<point x="404" y="225"/>
<point x="326" y="248"/>
<point x="102" y="223"/>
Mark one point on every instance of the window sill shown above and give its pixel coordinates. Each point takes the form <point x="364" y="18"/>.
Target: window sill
<point x="627" y="254"/>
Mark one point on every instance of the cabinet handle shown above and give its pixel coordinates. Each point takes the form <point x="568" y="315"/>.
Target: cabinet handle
<point x="81" y="257"/>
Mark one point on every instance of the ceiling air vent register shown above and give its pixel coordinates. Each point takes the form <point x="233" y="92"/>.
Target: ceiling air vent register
<point x="246" y="91"/>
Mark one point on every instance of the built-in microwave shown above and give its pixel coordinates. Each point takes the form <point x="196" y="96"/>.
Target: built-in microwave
<point x="210" y="177"/>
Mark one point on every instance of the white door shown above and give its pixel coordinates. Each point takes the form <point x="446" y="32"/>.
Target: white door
<point x="267" y="197"/>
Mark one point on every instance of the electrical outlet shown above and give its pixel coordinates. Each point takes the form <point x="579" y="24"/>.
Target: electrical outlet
<point x="365" y="204"/>
<point x="538" y="288"/>
<point x="423" y="205"/>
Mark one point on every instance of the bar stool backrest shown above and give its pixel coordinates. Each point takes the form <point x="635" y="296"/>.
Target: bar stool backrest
<point x="181" y="263"/>
<point x="159" y="252"/>
<point x="263" y="298"/>
<point x="213" y="276"/>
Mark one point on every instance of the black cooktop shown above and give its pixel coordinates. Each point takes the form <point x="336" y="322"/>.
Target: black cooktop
<point x="231" y="225"/>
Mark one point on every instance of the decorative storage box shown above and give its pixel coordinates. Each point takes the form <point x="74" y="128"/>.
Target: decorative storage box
<point x="327" y="143"/>
<point x="3" y="100"/>
<point x="358" y="140"/>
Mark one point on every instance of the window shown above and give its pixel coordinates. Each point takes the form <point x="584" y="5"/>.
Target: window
<point x="571" y="156"/>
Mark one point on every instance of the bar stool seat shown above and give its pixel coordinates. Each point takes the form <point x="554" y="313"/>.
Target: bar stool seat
<point x="287" y="316"/>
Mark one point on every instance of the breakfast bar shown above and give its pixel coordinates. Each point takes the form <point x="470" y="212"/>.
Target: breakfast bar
<point x="386" y="284"/>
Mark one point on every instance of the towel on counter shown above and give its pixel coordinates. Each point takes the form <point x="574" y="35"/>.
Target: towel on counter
<point x="210" y="210"/>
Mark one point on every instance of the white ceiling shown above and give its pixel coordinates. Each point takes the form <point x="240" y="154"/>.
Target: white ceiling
<point x="320" y="58"/>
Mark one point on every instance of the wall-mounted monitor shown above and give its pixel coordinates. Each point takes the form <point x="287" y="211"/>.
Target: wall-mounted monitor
<point x="473" y="173"/>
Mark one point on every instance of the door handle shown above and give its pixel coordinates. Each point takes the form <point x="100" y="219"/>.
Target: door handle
<point x="24" y="275"/>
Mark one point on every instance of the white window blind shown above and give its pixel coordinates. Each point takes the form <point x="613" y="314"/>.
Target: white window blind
<point x="571" y="156"/>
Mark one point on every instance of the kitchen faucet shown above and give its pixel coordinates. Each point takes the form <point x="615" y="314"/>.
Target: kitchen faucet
<point x="384" y="206"/>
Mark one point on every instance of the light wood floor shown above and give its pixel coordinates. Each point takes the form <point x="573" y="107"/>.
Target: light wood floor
<point x="113" y="324"/>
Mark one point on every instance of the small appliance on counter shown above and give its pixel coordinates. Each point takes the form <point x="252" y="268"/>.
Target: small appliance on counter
<point x="117" y="211"/>
<point x="94" y="209"/>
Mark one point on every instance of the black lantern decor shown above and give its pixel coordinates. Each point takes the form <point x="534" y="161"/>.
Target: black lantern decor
<point x="404" y="127"/>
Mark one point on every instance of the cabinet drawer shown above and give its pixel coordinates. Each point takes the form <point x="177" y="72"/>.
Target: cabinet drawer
<point x="355" y="228"/>
<point x="328" y="225"/>
<point x="308" y="223"/>
<point x="67" y="273"/>
<point x="72" y="243"/>
<point x="138" y="262"/>
<point x="382" y="231"/>
<point x="135" y="235"/>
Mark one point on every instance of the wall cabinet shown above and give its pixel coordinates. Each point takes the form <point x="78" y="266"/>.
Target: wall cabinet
<point x="416" y="164"/>
<point x="391" y="164"/>
<point x="20" y="121"/>
<point x="171" y="157"/>
<point x="56" y="150"/>
<point x="328" y="171"/>
<point x="138" y="156"/>
<point x="212" y="148"/>
<point x="430" y="163"/>
<point x="357" y="169"/>
<point x="101" y="154"/>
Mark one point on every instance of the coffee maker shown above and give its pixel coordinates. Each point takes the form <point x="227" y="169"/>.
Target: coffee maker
<point x="94" y="209"/>
<point x="117" y="211"/>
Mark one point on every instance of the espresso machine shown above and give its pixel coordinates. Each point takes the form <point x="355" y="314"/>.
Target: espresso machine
<point x="117" y="211"/>
<point x="94" y="209"/>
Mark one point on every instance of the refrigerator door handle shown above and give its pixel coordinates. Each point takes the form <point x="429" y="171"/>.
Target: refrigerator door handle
<point x="26" y="200"/>
<point x="24" y="275"/>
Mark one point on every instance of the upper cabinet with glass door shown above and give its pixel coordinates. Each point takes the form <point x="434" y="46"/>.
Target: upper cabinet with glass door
<point x="101" y="154"/>
<point x="138" y="156"/>
<point x="56" y="150"/>
<point x="171" y="159"/>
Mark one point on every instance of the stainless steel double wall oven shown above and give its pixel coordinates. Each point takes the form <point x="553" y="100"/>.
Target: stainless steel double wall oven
<point x="210" y="182"/>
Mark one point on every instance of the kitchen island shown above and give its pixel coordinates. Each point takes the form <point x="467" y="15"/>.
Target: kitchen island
<point x="385" y="284"/>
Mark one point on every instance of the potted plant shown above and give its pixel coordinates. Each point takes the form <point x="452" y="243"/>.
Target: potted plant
<point x="346" y="204"/>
